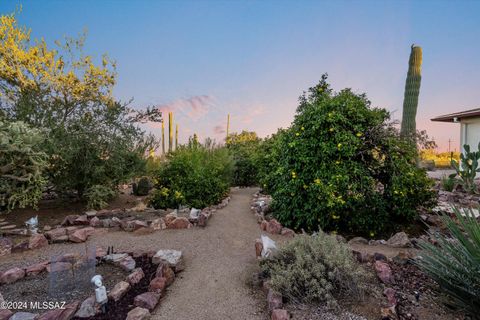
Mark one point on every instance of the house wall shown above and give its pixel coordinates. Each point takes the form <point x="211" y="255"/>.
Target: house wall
<point x="470" y="133"/>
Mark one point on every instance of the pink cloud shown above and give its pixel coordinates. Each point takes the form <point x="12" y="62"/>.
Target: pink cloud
<point x="252" y="113"/>
<point x="219" y="130"/>
<point x="194" y="107"/>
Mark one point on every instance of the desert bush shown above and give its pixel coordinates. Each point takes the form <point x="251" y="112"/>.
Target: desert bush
<point x="201" y="173"/>
<point x="467" y="168"/>
<point x="243" y="147"/>
<point x="454" y="263"/>
<point x="316" y="268"/>
<point x="448" y="183"/>
<point x="98" y="195"/>
<point x="342" y="166"/>
<point x="22" y="164"/>
<point x="163" y="198"/>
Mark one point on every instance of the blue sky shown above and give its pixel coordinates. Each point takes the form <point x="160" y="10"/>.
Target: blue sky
<point x="252" y="59"/>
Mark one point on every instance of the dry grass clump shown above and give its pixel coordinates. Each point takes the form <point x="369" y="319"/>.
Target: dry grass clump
<point x="316" y="268"/>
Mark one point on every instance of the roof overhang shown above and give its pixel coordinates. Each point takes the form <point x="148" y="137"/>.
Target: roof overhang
<point x="456" y="117"/>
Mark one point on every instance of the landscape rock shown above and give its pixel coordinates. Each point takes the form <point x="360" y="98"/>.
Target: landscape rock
<point x="280" y="314"/>
<point x="81" y="235"/>
<point x="5" y="314"/>
<point x="24" y="316"/>
<point x="390" y="294"/>
<point x="263" y="225"/>
<point x="37" y="241"/>
<point x="274" y="300"/>
<point x="115" y="258"/>
<point x="70" y="220"/>
<point x="179" y="223"/>
<point x="274" y="227"/>
<point x="55" y="234"/>
<point x="143" y="231"/>
<point x="5" y="246"/>
<point x="91" y="213"/>
<point x="170" y="217"/>
<point x="288" y="232"/>
<point x="157" y="285"/>
<point x="36" y="269"/>
<point x="202" y="219"/>
<point x="127" y="264"/>
<point x="100" y="252"/>
<point x="135" y="277"/>
<point x="147" y="300"/>
<point x="12" y="275"/>
<point x="194" y="214"/>
<point x="361" y="257"/>
<point x="158" y="224"/>
<point x="169" y="275"/>
<point x="87" y="308"/>
<point x="358" y="240"/>
<point x="399" y="240"/>
<point x="173" y="258"/>
<point x="258" y="247"/>
<point x="377" y="256"/>
<point x="384" y="272"/>
<point x="138" y="313"/>
<point x="119" y="290"/>
<point x="66" y="313"/>
<point x="96" y="223"/>
<point x="82" y="220"/>
<point x="21" y="246"/>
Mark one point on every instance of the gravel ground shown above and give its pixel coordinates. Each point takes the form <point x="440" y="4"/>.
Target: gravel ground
<point x="220" y="260"/>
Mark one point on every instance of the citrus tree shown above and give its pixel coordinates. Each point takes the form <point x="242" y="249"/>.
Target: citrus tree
<point x="341" y="166"/>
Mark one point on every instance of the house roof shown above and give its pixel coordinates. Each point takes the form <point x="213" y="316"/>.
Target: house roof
<point x="473" y="113"/>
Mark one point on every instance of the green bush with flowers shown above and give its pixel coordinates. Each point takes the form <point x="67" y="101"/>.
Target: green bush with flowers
<point x="342" y="166"/>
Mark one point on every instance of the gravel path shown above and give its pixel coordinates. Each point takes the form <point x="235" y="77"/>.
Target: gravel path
<point x="220" y="260"/>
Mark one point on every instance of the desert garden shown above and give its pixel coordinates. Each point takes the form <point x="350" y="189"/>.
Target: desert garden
<point x="334" y="217"/>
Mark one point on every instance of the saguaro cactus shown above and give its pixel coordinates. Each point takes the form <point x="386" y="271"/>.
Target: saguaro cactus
<point x="170" y="131"/>
<point x="176" y="136"/>
<point x="163" y="137"/>
<point x="412" y="90"/>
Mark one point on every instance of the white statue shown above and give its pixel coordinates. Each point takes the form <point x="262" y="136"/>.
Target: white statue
<point x="100" y="292"/>
<point x="32" y="225"/>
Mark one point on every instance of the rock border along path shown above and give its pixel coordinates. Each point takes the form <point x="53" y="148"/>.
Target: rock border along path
<point x="220" y="261"/>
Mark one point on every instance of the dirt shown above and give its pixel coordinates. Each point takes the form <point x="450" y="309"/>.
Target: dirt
<point x="36" y="288"/>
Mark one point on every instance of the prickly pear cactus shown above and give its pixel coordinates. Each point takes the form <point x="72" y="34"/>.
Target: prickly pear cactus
<point x="467" y="168"/>
<point x="412" y="91"/>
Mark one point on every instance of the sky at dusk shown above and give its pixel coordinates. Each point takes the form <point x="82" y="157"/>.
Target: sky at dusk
<point x="252" y="59"/>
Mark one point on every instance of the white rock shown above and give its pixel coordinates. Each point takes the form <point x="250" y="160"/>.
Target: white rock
<point x="269" y="247"/>
<point x="194" y="213"/>
<point x="173" y="258"/>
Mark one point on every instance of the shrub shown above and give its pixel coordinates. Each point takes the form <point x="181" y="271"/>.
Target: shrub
<point x="315" y="268"/>
<point x="243" y="148"/>
<point x="455" y="263"/>
<point x="201" y="173"/>
<point x="21" y="165"/>
<point x="467" y="169"/>
<point x="342" y="166"/>
<point x="98" y="195"/>
<point x="448" y="183"/>
<point x="164" y="198"/>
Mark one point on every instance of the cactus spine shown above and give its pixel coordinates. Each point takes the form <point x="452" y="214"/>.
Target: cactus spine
<point x="170" y="131"/>
<point x="176" y="136"/>
<point x="163" y="137"/>
<point x="412" y="90"/>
